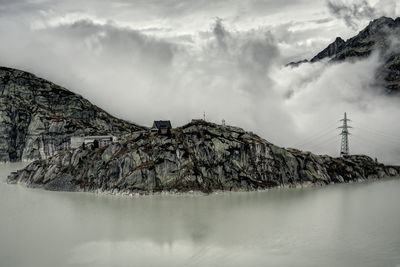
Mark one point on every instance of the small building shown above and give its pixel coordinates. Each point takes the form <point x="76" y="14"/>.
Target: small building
<point x="102" y="140"/>
<point x="162" y="127"/>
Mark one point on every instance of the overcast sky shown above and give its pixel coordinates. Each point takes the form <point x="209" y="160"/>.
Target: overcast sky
<point x="143" y="60"/>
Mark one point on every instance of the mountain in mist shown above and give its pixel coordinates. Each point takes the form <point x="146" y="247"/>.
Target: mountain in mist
<point x="37" y="117"/>
<point x="381" y="35"/>
<point x="199" y="156"/>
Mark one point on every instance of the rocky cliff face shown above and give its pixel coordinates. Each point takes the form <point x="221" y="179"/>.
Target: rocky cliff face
<point x="37" y="117"/>
<point x="199" y="156"/>
<point x="332" y="50"/>
<point x="381" y="35"/>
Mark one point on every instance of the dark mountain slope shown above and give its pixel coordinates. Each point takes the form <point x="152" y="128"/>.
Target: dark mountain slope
<point x="37" y="117"/>
<point x="381" y="35"/>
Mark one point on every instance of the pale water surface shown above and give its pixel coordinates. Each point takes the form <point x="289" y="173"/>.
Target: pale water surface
<point x="339" y="225"/>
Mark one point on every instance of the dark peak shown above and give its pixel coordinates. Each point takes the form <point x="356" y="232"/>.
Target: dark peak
<point x="332" y="49"/>
<point x="380" y="21"/>
<point x="376" y="36"/>
<point x="380" y="24"/>
<point x="377" y="29"/>
<point x="339" y="40"/>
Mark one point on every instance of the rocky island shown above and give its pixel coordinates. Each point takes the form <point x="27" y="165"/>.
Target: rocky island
<point x="199" y="156"/>
<point x="38" y="120"/>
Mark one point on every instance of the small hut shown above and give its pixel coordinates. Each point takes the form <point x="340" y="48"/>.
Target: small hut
<point x="162" y="127"/>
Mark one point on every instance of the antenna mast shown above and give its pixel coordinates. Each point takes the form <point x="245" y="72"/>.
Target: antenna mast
<point x="344" y="147"/>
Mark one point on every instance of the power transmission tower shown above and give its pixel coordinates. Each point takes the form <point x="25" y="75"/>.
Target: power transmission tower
<point x="344" y="147"/>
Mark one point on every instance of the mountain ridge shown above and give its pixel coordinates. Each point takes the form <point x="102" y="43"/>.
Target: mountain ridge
<point x="379" y="35"/>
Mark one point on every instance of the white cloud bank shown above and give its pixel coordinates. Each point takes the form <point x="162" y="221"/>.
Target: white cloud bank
<point x="231" y="74"/>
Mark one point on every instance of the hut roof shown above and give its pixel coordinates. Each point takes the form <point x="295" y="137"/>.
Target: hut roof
<point x="162" y="124"/>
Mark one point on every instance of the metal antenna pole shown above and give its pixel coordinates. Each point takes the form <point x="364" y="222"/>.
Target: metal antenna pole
<point x="344" y="147"/>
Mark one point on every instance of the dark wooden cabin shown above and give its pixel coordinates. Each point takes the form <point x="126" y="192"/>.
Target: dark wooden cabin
<point x="162" y="127"/>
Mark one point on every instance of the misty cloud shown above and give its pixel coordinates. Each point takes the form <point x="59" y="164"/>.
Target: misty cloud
<point x="120" y="43"/>
<point x="355" y="13"/>
<point x="351" y="13"/>
<point x="220" y="33"/>
<point x="230" y="69"/>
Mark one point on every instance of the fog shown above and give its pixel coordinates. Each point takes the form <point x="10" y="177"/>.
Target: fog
<point x="225" y="65"/>
<point x="353" y="224"/>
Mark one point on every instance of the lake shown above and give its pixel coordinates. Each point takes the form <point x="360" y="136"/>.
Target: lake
<point x="338" y="225"/>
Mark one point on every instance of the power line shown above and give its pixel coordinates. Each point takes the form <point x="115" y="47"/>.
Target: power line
<point x="326" y="142"/>
<point x="386" y="136"/>
<point x="373" y="141"/>
<point x="316" y="136"/>
<point x="367" y="138"/>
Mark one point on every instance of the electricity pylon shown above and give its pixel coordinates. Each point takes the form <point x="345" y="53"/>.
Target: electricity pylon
<point x="344" y="147"/>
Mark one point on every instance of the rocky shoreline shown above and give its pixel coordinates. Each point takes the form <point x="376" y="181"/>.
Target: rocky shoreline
<point x="200" y="157"/>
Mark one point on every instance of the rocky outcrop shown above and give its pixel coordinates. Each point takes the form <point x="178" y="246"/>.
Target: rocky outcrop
<point x="199" y="156"/>
<point x="381" y="35"/>
<point x="37" y="117"/>
<point x="333" y="49"/>
<point x="296" y="63"/>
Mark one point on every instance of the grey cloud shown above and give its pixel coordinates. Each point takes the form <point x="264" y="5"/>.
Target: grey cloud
<point x="150" y="8"/>
<point x="22" y="10"/>
<point x="355" y="13"/>
<point x="251" y="54"/>
<point x="121" y="43"/>
<point x="229" y="73"/>
<point x="321" y="92"/>
<point x="188" y="7"/>
<point x="322" y="21"/>
<point x="220" y="33"/>
<point x="143" y="73"/>
<point x="11" y="6"/>
<point x="351" y="13"/>
<point x="304" y="39"/>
